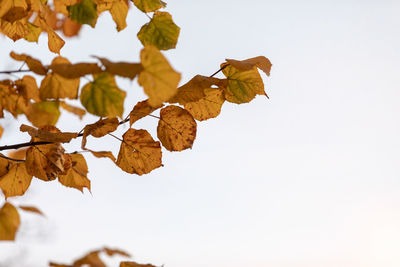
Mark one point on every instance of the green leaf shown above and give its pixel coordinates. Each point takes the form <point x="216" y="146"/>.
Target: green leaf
<point x="84" y="12"/>
<point x="102" y="97"/>
<point x="243" y="86"/>
<point x="149" y="5"/>
<point x="160" y="32"/>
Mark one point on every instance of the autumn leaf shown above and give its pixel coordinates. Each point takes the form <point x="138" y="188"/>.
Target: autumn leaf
<point x="160" y="32"/>
<point x="134" y="264"/>
<point x="141" y="110"/>
<point x="70" y="28"/>
<point x="159" y="79"/>
<point x="1" y="131"/>
<point x="28" y="88"/>
<point x="47" y="136"/>
<point x="102" y="97"/>
<point x="33" y="64"/>
<point x="71" y="71"/>
<point x="103" y="154"/>
<point x="260" y="62"/>
<point x="16" y="9"/>
<point x="84" y="12"/>
<point x="31" y="209"/>
<point x="123" y="69"/>
<point x="176" y="128"/>
<point x="43" y="113"/>
<point x="193" y="90"/>
<point x="9" y="222"/>
<point x="149" y="5"/>
<point x="139" y="153"/>
<point x="33" y="33"/>
<point x="76" y="176"/>
<point x="207" y="107"/>
<point x="92" y="259"/>
<point x="112" y="252"/>
<point x="54" y="86"/>
<point x="16" y="180"/>
<point x="55" y="42"/>
<point x="46" y="162"/>
<point x="15" y="30"/>
<point x="73" y="109"/>
<point x="99" y="129"/>
<point x="119" y="11"/>
<point x="18" y="154"/>
<point x="243" y="86"/>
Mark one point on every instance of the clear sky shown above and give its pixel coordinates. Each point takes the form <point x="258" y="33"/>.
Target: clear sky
<point x="309" y="177"/>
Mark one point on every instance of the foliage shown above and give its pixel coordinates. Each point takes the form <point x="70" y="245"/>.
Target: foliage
<point x="41" y="98"/>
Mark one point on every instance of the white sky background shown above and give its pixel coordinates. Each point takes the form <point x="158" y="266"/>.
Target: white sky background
<point x="307" y="178"/>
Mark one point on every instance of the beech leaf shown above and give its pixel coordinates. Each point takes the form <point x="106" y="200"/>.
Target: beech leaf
<point x="160" y="32"/>
<point x="43" y="113"/>
<point x="32" y="63"/>
<point x="9" y="222"/>
<point x="16" y="180"/>
<point x="139" y="153"/>
<point x="119" y="11"/>
<point x="102" y="97"/>
<point x="141" y="110"/>
<point x="207" y="107"/>
<point x="84" y="12"/>
<point x="54" y="86"/>
<point x="243" y="86"/>
<point x="99" y="129"/>
<point x="149" y="5"/>
<point x="159" y="79"/>
<point x="76" y="176"/>
<point x="176" y="128"/>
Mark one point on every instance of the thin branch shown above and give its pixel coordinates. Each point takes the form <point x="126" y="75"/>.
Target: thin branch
<point x="17" y="160"/>
<point x="13" y="71"/>
<point x="215" y="73"/>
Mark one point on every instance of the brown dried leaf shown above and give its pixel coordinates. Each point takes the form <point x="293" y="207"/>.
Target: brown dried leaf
<point x="134" y="264"/>
<point x="76" y="176"/>
<point x="103" y="154"/>
<point x="33" y="64"/>
<point x="44" y="135"/>
<point x="71" y="71"/>
<point x="28" y="88"/>
<point x="31" y="209"/>
<point x="141" y="110"/>
<point x="99" y="129"/>
<point x="139" y="153"/>
<point x="176" y="128"/>
<point x="123" y="69"/>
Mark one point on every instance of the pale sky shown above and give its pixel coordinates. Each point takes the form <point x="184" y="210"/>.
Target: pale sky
<point x="309" y="177"/>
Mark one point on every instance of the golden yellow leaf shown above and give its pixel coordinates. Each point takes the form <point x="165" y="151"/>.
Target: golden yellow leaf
<point x="91" y="259"/>
<point x="18" y="154"/>
<point x="43" y="113"/>
<point x="176" y="128"/>
<point x="31" y="209"/>
<point x="1" y="131"/>
<point x="123" y="69"/>
<point x="260" y="62"/>
<point x="46" y="162"/>
<point x="15" y="30"/>
<point x="60" y="6"/>
<point x="72" y="109"/>
<point x="76" y="176"/>
<point x="193" y="90"/>
<point x="207" y="107"/>
<point x="9" y="222"/>
<point x="139" y="153"/>
<point x="18" y="10"/>
<point x="16" y="181"/>
<point x="28" y="88"/>
<point x="119" y="11"/>
<point x="70" y="28"/>
<point x="141" y="110"/>
<point x="102" y="97"/>
<point x="243" y="86"/>
<point x="159" y="79"/>
<point x="149" y="5"/>
<point x="5" y="6"/>
<point x="33" y="64"/>
<point x="103" y="154"/>
<point x="47" y="136"/>
<point x="54" y="86"/>
<point x="99" y="129"/>
<point x="34" y="33"/>
<point x="71" y="71"/>
<point x="134" y="264"/>
<point x="160" y="32"/>
<point x="55" y="42"/>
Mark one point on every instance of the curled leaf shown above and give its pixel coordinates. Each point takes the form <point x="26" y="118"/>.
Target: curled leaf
<point x="48" y="136"/>
<point x="141" y="110"/>
<point x="72" y="109"/>
<point x="32" y="63"/>
<point x="76" y="176"/>
<point x="123" y="69"/>
<point x="99" y="129"/>
<point x="260" y="62"/>
<point x="176" y="128"/>
<point x="31" y="209"/>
